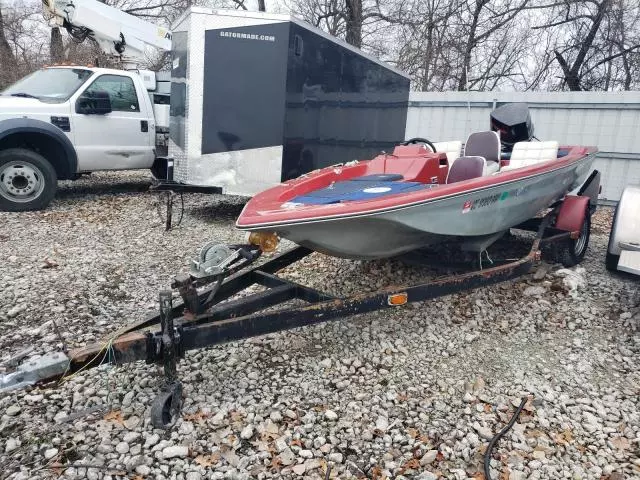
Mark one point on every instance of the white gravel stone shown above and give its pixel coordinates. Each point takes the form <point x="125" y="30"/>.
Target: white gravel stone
<point x="49" y="453"/>
<point x="427" y="476"/>
<point x="287" y="457"/>
<point x="281" y="444"/>
<point x="305" y="453"/>
<point x="319" y="441"/>
<point x="428" y="457"/>
<point x="179" y="451"/>
<point x="534" y="291"/>
<point x="143" y="470"/>
<point x="276" y="416"/>
<point x="326" y="363"/>
<point x="13" y="410"/>
<point x="247" y="432"/>
<point x="122" y="447"/>
<point x="11" y="445"/>
<point x="330" y="415"/>
<point x="299" y="469"/>
<point x="151" y="440"/>
<point x="336" y="457"/>
<point x="131" y="437"/>
<point x="382" y="423"/>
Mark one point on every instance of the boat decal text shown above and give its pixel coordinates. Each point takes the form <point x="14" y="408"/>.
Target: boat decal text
<point x="483" y="202"/>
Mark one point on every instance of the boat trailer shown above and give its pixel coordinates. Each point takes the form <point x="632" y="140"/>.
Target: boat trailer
<point x="211" y="316"/>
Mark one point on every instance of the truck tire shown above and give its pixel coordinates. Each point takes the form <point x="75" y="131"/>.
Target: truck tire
<point x="27" y="180"/>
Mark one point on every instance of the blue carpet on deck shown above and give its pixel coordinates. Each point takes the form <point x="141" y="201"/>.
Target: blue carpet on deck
<point x="362" y="188"/>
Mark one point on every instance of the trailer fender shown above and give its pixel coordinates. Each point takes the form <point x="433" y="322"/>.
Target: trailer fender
<point x="572" y="213"/>
<point x="45" y="137"/>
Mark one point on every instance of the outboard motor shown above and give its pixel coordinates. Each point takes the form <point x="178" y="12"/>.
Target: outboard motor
<point x="513" y="123"/>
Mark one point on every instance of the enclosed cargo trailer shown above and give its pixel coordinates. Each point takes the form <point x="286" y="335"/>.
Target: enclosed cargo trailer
<point x="257" y="99"/>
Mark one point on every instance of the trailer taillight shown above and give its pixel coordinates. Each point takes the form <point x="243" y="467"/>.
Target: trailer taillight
<point x="267" y="241"/>
<point x="398" y="299"/>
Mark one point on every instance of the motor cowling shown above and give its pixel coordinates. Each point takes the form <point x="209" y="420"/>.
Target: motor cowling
<point x="513" y="123"/>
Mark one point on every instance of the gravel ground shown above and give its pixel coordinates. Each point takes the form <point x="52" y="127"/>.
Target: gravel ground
<point x="414" y="392"/>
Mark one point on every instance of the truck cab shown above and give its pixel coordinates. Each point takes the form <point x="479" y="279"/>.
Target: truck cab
<point x="59" y="122"/>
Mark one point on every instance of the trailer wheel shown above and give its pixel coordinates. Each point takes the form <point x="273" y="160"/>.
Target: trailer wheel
<point x="27" y="180"/>
<point x="571" y="252"/>
<point x="166" y="407"/>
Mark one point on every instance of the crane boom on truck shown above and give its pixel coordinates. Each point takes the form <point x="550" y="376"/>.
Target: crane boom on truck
<point x="49" y="120"/>
<point x="116" y="32"/>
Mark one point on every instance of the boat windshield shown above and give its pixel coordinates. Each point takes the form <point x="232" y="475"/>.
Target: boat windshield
<point x="55" y="85"/>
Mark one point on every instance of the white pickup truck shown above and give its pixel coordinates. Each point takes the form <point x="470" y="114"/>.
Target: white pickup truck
<point x="60" y="122"/>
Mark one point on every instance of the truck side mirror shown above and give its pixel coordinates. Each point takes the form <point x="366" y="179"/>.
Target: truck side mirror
<point x="94" y="103"/>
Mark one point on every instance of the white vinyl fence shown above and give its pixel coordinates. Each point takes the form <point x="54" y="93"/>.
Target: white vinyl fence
<point x="607" y="120"/>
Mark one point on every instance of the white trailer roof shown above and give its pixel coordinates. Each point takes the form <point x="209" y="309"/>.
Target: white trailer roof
<point x="282" y="18"/>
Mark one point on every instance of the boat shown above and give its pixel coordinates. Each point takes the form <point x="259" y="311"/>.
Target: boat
<point x="424" y="193"/>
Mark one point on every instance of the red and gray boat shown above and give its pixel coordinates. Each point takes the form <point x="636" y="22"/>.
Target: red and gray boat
<point x="423" y="193"/>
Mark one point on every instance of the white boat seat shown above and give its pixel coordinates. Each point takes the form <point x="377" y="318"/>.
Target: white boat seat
<point x="491" y="167"/>
<point x="483" y="144"/>
<point x="466" y="168"/>
<point x="525" y="154"/>
<point x="452" y="148"/>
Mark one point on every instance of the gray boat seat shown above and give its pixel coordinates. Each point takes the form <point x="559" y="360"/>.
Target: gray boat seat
<point x="480" y="145"/>
<point x="466" y="168"/>
<point x="525" y="154"/>
<point x="483" y="144"/>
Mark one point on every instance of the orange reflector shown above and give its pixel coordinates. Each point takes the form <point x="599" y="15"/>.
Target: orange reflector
<point x="267" y="241"/>
<point x="574" y="235"/>
<point x="397" y="299"/>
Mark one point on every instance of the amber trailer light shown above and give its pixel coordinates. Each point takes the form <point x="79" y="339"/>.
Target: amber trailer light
<point x="267" y="241"/>
<point x="397" y="299"/>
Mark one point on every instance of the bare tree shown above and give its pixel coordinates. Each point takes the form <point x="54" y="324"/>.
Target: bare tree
<point x="8" y="62"/>
<point x="56" y="47"/>
<point x="599" y="43"/>
<point x="352" y="20"/>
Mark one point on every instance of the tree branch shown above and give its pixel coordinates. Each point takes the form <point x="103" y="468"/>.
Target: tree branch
<point x="611" y="57"/>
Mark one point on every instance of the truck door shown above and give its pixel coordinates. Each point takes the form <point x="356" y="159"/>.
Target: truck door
<point x="119" y="140"/>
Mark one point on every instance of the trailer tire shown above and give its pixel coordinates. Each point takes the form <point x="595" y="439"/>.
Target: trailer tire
<point x="27" y="180"/>
<point x="571" y="252"/>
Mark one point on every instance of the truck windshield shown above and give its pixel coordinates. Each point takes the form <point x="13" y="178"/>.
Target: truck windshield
<point x="50" y="84"/>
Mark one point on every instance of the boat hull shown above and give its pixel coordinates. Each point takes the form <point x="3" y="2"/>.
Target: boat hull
<point x="472" y="217"/>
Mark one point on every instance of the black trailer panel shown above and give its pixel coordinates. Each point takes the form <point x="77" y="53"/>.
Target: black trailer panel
<point x="244" y="99"/>
<point x="341" y="106"/>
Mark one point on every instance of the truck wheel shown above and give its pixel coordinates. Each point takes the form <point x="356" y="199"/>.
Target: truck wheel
<point x="27" y="180"/>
